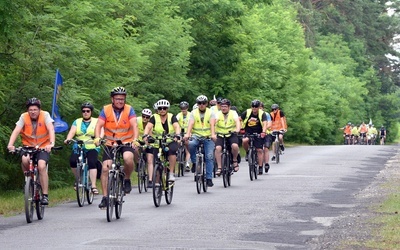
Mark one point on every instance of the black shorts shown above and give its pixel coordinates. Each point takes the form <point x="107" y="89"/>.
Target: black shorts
<point x="43" y="155"/>
<point x="229" y="140"/>
<point x="268" y="140"/>
<point x="108" y="155"/>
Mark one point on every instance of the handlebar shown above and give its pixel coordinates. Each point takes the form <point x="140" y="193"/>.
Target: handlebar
<point x="25" y="150"/>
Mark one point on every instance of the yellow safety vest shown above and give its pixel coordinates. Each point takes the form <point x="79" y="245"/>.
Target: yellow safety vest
<point x="202" y="128"/>
<point x="223" y="125"/>
<point x="87" y="138"/>
<point x="248" y="112"/>
<point x="158" y="128"/>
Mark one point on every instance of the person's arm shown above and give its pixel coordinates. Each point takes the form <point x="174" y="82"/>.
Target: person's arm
<point x="71" y="133"/>
<point x="13" y="138"/>
<point x="52" y="135"/>
<point x="134" y="125"/>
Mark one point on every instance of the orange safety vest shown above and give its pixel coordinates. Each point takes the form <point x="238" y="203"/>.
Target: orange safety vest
<point x="120" y="129"/>
<point x="276" y="121"/>
<point x="363" y="129"/>
<point x="35" y="137"/>
<point x="347" y="130"/>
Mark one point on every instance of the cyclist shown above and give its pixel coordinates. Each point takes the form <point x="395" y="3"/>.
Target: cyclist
<point x="83" y="129"/>
<point x="202" y="124"/>
<point x="163" y="122"/>
<point x="254" y="120"/>
<point x="227" y="120"/>
<point x="382" y="133"/>
<point x="354" y="134"/>
<point x="347" y="133"/>
<point x="36" y="129"/>
<point x="118" y="120"/>
<point x="215" y="107"/>
<point x="278" y="123"/>
<point x="183" y="120"/>
<point x="371" y="134"/>
<point x="268" y="141"/>
<point x="363" y="129"/>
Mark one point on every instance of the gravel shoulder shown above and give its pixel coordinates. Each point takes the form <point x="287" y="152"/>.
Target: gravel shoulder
<point x="353" y="229"/>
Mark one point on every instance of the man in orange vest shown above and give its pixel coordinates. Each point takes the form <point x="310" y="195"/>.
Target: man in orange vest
<point x="278" y="124"/>
<point x="37" y="130"/>
<point x="118" y="120"/>
<point x="347" y="133"/>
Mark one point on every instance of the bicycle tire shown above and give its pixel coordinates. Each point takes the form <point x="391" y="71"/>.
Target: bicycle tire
<point x="110" y="195"/>
<point x="204" y="177"/>
<point x="199" y="174"/>
<point x="141" y="176"/>
<point x="169" y="192"/>
<point x="39" y="206"/>
<point x="224" y="170"/>
<point x="119" y="199"/>
<point x="251" y="164"/>
<point x="229" y="172"/>
<point x="29" y="199"/>
<point x="157" y="185"/>
<point x="79" y="186"/>
<point x="181" y="162"/>
<point x="276" y="151"/>
<point x="254" y="160"/>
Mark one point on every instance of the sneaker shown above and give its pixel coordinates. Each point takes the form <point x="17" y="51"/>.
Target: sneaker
<point x="193" y="167"/>
<point x="150" y="184"/>
<point x="247" y="156"/>
<point x="45" y="200"/>
<point x="187" y="169"/>
<point x="209" y="183"/>
<point x="171" y="177"/>
<point x="282" y="147"/>
<point x="266" y="167"/>
<point x="127" y="186"/>
<point x="103" y="203"/>
<point x="273" y="158"/>
<point x="260" y="170"/>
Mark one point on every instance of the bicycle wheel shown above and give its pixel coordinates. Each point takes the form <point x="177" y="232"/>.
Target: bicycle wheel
<point x="79" y="185"/>
<point x="181" y="161"/>
<point x="276" y="151"/>
<point x="119" y="199"/>
<point x="169" y="191"/>
<point x="38" y="198"/>
<point x="224" y="169"/>
<point x="203" y="177"/>
<point x="111" y="189"/>
<point x="29" y="199"/>
<point x="157" y="182"/>
<point x="255" y="160"/>
<point x="142" y="176"/>
<point x="229" y="172"/>
<point x="251" y="164"/>
<point x="199" y="173"/>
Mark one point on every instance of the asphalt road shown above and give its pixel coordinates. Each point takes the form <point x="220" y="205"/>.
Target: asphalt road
<point x="291" y="206"/>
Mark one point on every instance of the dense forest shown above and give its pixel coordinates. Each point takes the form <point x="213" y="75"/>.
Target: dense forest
<point x="324" y="62"/>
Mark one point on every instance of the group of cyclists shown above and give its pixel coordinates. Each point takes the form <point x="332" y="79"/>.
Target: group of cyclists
<point x="363" y="134"/>
<point x="119" y="122"/>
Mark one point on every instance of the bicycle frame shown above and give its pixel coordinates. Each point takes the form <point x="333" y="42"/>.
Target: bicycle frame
<point x="276" y="147"/>
<point x="200" y="171"/>
<point x="253" y="156"/>
<point x="226" y="160"/>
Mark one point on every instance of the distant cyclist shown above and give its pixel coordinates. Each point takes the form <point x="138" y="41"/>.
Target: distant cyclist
<point x="227" y="120"/>
<point x="278" y="124"/>
<point x="382" y="133"/>
<point x="183" y="120"/>
<point x="347" y="133"/>
<point x="363" y="129"/>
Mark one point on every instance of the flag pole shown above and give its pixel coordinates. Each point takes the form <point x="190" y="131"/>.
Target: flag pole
<point x="54" y="94"/>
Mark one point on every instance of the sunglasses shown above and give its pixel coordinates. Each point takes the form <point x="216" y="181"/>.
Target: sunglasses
<point x="145" y="116"/>
<point x="201" y="103"/>
<point x="162" y="108"/>
<point x="86" y="111"/>
<point x="255" y="106"/>
<point x="274" y="109"/>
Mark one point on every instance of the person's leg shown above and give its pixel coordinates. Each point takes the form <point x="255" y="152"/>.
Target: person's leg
<point x="91" y="156"/>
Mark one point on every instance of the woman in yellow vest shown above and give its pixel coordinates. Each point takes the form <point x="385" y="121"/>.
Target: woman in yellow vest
<point x="160" y="123"/>
<point x="83" y="129"/>
<point x="227" y="121"/>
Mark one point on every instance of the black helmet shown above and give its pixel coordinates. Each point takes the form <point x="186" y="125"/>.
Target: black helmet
<point x="184" y="105"/>
<point x="87" y="105"/>
<point x="274" y="106"/>
<point x="118" y="91"/>
<point x="225" y="102"/>
<point x="255" y="103"/>
<point x="33" y="102"/>
<point x="219" y="100"/>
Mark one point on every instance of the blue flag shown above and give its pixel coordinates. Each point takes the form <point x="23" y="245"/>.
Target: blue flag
<point x="59" y="125"/>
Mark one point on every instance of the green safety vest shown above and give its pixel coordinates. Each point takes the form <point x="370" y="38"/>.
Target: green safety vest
<point x="87" y="138"/>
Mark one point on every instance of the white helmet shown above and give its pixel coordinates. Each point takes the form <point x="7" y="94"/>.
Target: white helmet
<point x="202" y="98"/>
<point x="195" y="106"/>
<point x="147" y="112"/>
<point x="162" y="103"/>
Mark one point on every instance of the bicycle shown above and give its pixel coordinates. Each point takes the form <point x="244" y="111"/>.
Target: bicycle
<point x="200" y="171"/>
<point x="33" y="190"/>
<point x="181" y="158"/>
<point x="276" y="145"/>
<point x="252" y="156"/>
<point x="226" y="160"/>
<point x="116" y="177"/>
<point x="82" y="183"/>
<point x="143" y="176"/>
<point x="161" y="170"/>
